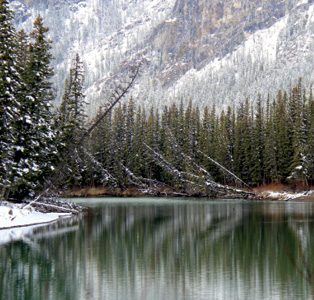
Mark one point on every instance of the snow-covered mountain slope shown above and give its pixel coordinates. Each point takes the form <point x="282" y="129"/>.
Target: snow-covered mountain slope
<point x="101" y="31"/>
<point x="212" y="51"/>
<point x="268" y="60"/>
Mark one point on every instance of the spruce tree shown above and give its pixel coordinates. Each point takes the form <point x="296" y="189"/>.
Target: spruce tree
<point x="9" y="102"/>
<point x="269" y="157"/>
<point x="35" y="137"/>
<point x="71" y="120"/>
<point x="71" y="113"/>
<point x="140" y="135"/>
<point x="152" y="139"/>
<point x="258" y="145"/>
<point x="225" y="140"/>
<point x="283" y="138"/>
<point x="309" y="149"/>
<point x="129" y="146"/>
<point x="296" y="109"/>
<point x="243" y="142"/>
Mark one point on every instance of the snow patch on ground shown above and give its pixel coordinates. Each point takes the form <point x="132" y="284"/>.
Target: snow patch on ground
<point x="18" y="221"/>
<point x="18" y="215"/>
<point x="284" y="196"/>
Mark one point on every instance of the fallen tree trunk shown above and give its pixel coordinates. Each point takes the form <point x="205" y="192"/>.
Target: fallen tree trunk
<point x="203" y="183"/>
<point x="224" y="169"/>
<point x="52" y="205"/>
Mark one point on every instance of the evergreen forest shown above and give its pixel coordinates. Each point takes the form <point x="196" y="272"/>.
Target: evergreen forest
<point x="268" y="142"/>
<point x="178" y="148"/>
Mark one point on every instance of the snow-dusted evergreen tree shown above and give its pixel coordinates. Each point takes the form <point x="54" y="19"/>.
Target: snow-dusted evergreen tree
<point x="309" y="149"/>
<point x="71" y="121"/>
<point x="258" y="145"/>
<point x="298" y="120"/>
<point x="72" y="117"/>
<point x="226" y="143"/>
<point x="9" y="104"/>
<point x="270" y="153"/>
<point x="139" y="161"/>
<point x="150" y="128"/>
<point x="242" y="142"/>
<point x="34" y="142"/>
<point x="128" y="146"/>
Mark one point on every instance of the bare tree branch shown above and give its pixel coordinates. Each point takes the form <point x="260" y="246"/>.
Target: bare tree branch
<point x="224" y="169"/>
<point x="201" y="181"/>
<point x="106" y="174"/>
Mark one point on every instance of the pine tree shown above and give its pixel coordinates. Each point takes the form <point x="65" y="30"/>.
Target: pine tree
<point x="129" y="149"/>
<point x="35" y="137"/>
<point x="72" y="117"/>
<point x="298" y="121"/>
<point x="140" y="135"/>
<point x="309" y="149"/>
<point x="242" y="149"/>
<point x="152" y="139"/>
<point x="9" y="104"/>
<point x="38" y="68"/>
<point x="283" y="138"/>
<point x="270" y="158"/>
<point x="258" y="144"/>
<point x="117" y="143"/>
<point x="71" y="120"/>
<point x="226" y="142"/>
<point x="214" y="142"/>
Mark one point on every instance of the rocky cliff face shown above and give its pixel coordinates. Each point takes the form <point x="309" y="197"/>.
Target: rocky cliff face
<point x="210" y="50"/>
<point x="200" y="31"/>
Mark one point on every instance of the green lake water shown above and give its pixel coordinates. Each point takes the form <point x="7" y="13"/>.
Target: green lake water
<point x="161" y="249"/>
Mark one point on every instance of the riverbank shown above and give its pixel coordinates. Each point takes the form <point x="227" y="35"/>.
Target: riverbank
<point x="274" y="192"/>
<point x="14" y="215"/>
<point x="104" y="191"/>
<point x="286" y="192"/>
<point x="306" y="196"/>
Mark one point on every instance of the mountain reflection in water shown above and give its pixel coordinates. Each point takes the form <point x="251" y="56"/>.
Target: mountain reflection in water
<point x="158" y="248"/>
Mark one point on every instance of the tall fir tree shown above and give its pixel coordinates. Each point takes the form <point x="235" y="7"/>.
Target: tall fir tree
<point x="35" y="137"/>
<point x="71" y="123"/>
<point x="258" y="145"/>
<point x="71" y="113"/>
<point x="309" y="149"/>
<point x="270" y="159"/>
<point x="240" y="143"/>
<point x="9" y="102"/>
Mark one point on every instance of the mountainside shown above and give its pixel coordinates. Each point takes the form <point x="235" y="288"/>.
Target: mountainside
<point x="209" y="50"/>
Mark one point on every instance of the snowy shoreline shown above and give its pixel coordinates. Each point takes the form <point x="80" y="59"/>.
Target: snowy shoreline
<point x="18" y="221"/>
<point x="19" y="215"/>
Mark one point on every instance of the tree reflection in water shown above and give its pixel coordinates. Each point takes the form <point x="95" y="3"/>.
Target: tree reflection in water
<point x="172" y="249"/>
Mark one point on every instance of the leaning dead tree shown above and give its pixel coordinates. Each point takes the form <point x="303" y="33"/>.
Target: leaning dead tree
<point x="107" y="177"/>
<point x="149" y="186"/>
<point x="119" y="93"/>
<point x="225" y="170"/>
<point x="47" y="202"/>
<point x="78" y="150"/>
<point x="197" y="179"/>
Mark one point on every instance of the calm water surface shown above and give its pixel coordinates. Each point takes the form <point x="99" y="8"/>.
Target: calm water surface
<point x="162" y="249"/>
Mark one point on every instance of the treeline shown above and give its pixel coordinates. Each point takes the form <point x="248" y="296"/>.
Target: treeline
<point x="270" y="141"/>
